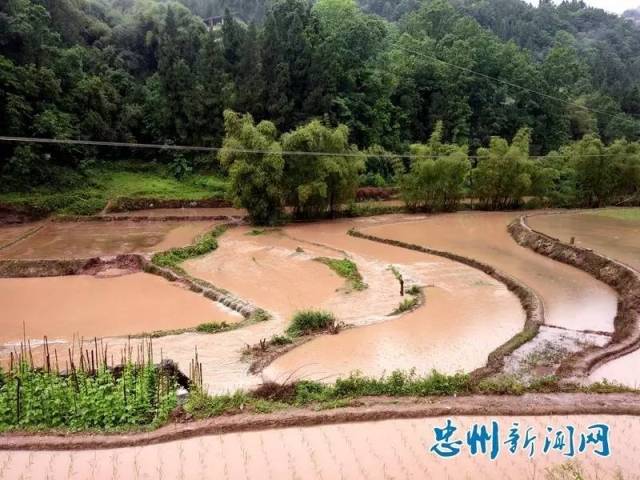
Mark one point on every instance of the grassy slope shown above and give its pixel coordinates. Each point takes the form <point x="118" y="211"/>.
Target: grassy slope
<point x="105" y="184"/>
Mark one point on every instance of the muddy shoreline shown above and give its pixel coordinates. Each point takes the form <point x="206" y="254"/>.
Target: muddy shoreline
<point x="368" y="409"/>
<point x="621" y="278"/>
<point x="529" y="300"/>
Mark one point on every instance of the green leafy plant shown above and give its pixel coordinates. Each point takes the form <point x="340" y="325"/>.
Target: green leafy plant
<point x="406" y="305"/>
<point x="280" y="340"/>
<point x="106" y="399"/>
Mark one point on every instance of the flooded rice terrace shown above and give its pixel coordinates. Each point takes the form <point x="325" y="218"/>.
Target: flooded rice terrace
<point x="56" y="240"/>
<point x="88" y="306"/>
<point x="369" y="450"/>
<point x="613" y="232"/>
<point x="572" y="299"/>
<point x="465" y="315"/>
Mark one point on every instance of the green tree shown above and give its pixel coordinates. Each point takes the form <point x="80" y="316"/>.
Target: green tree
<point x="318" y="183"/>
<point x="437" y="176"/>
<point x="503" y="174"/>
<point x="256" y="178"/>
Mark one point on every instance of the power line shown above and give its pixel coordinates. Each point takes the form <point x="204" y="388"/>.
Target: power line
<point x="155" y="146"/>
<point x="514" y="85"/>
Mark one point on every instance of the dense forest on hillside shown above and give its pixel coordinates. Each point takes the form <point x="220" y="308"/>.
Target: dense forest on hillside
<point x="152" y="71"/>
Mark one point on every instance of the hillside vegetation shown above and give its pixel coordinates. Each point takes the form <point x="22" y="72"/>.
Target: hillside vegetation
<point x="328" y="75"/>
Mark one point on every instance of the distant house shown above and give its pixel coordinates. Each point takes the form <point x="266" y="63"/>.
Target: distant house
<point x="212" y="22"/>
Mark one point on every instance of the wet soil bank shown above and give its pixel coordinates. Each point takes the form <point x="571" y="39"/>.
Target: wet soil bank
<point x="174" y="217"/>
<point x="621" y="278"/>
<point x="529" y="300"/>
<point x="124" y="204"/>
<point x="368" y="410"/>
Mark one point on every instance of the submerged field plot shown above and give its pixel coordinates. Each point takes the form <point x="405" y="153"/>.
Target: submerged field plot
<point x="612" y="232"/>
<point x="63" y="240"/>
<point x="367" y="450"/>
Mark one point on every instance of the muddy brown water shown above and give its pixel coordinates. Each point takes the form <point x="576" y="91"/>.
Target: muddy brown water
<point x="88" y="306"/>
<point x="614" y="237"/>
<point x="11" y="233"/>
<point x="277" y="270"/>
<point x="369" y="450"/>
<point x="88" y="239"/>
<point x="467" y="314"/>
<point x="624" y="370"/>
<point x="266" y="270"/>
<point x="572" y="299"/>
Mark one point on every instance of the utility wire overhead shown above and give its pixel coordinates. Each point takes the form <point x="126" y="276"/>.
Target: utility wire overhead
<point x="156" y="146"/>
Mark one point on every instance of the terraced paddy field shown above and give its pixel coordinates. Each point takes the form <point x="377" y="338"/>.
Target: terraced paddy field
<point x="466" y="313"/>
<point x="368" y="450"/>
<point x="87" y="306"/>
<point x="572" y="299"/>
<point x="613" y="231"/>
<point x="63" y="240"/>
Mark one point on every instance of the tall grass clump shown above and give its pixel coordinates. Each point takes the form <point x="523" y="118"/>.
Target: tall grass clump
<point x="306" y="322"/>
<point x="173" y="258"/>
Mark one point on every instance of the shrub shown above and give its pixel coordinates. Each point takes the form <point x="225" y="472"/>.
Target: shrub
<point x="279" y="340"/>
<point x="260" y="315"/>
<point x="406" y="305"/>
<point x="309" y="321"/>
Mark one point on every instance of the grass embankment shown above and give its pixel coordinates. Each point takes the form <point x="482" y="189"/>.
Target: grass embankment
<point x="122" y="180"/>
<point x="143" y="396"/>
<point x="271" y="397"/>
<point x="172" y="259"/>
<point x="33" y="399"/>
<point x="345" y="392"/>
<point x="347" y="270"/>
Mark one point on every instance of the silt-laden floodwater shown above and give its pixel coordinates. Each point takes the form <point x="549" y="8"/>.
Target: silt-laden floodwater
<point x="89" y="306"/>
<point x="572" y="299"/>
<point x="467" y="314"/>
<point x="605" y="231"/>
<point x="58" y="240"/>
